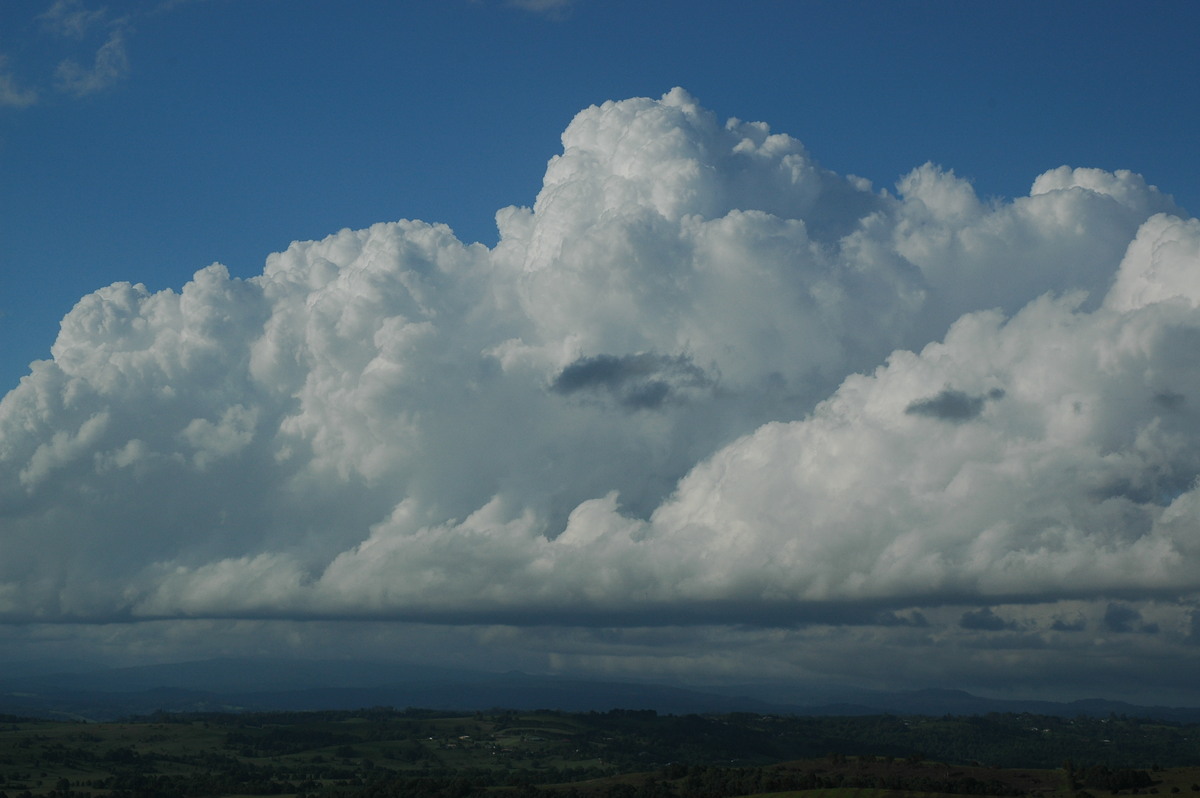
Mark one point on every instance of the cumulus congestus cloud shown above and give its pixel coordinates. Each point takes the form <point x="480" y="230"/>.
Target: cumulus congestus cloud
<point x="702" y="380"/>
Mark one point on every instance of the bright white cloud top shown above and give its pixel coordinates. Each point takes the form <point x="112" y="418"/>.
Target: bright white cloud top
<point x="702" y="382"/>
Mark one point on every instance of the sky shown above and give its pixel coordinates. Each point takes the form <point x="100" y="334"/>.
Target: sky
<point x="811" y="342"/>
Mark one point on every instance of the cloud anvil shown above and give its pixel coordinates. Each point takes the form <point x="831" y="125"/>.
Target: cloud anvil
<point x="702" y="381"/>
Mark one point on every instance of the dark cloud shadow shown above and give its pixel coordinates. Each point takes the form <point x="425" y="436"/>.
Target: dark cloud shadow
<point x="953" y="406"/>
<point x="638" y="382"/>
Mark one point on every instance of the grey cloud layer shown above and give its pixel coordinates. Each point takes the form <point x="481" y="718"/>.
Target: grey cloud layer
<point x="702" y="380"/>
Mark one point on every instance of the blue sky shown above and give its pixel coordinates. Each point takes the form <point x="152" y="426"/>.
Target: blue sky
<point x="768" y="335"/>
<point x="234" y="128"/>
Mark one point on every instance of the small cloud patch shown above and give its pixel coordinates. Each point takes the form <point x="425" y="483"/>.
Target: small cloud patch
<point x="985" y="620"/>
<point x="1169" y="400"/>
<point x="953" y="406"/>
<point x="1122" y="619"/>
<point x="1065" y="625"/>
<point x="914" y="618"/>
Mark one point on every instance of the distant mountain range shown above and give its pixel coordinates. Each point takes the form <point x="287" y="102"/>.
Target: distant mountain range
<point x="242" y="685"/>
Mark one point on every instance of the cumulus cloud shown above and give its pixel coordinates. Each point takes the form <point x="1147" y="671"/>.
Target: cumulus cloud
<point x="701" y="381"/>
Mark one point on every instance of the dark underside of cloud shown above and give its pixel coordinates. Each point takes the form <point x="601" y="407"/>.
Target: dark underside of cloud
<point x="702" y="383"/>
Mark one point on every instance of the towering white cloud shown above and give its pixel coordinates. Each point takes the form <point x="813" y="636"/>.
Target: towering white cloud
<point x="701" y="380"/>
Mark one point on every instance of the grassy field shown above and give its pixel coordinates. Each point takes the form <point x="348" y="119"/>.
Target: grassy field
<point x="384" y="752"/>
